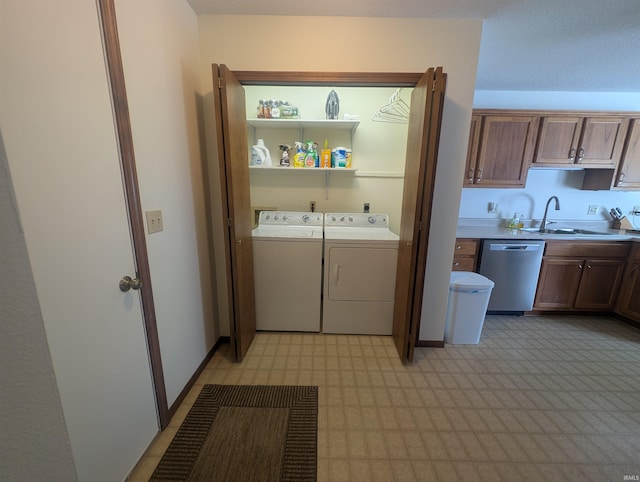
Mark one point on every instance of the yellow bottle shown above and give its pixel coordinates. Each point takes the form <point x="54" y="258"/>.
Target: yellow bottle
<point x="298" y="158"/>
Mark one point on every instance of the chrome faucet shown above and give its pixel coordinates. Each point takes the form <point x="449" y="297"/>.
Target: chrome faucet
<point x="543" y="223"/>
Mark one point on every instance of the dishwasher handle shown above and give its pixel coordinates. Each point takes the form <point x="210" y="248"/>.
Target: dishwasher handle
<point x="514" y="247"/>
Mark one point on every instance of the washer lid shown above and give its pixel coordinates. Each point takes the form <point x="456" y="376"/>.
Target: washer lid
<point x="469" y="281"/>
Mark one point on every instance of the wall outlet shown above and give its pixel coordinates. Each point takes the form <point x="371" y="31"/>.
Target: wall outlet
<point x="365" y="208"/>
<point x="593" y="209"/>
<point x="492" y="207"/>
<point x="154" y="221"/>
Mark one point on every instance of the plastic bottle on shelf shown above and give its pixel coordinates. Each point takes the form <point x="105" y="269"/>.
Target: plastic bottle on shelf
<point x="260" y="155"/>
<point x="310" y="156"/>
<point x="298" y="157"/>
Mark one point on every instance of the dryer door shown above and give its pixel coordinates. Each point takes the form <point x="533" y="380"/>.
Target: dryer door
<point x="362" y="274"/>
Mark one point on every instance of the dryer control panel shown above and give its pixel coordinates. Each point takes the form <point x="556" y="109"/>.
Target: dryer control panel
<point x="357" y="220"/>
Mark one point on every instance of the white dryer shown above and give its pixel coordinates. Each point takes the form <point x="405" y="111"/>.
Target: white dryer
<point x="287" y="268"/>
<point x="360" y="258"/>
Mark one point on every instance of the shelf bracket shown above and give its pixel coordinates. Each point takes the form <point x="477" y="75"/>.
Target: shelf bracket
<point x="326" y="185"/>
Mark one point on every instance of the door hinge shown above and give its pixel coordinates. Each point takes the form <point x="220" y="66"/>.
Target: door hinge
<point x="219" y="82"/>
<point x="421" y="226"/>
<point x="434" y="86"/>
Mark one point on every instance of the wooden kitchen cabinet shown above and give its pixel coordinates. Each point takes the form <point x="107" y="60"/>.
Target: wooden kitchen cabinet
<point x="465" y="255"/>
<point x="580" y="275"/>
<point x="628" y="302"/>
<point x="472" y="151"/>
<point x="627" y="176"/>
<point x="628" y="173"/>
<point x="593" y="141"/>
<point x="501" y="146"/>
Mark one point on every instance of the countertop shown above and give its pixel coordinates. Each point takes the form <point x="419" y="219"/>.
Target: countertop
<point x="491" y="229"/>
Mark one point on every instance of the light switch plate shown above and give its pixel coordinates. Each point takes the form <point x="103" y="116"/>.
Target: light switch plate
<point x="154" y="221"/>
<point x="593" y="209"/>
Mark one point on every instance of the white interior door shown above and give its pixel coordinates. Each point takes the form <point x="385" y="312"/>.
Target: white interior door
<point x="57" y="122"/>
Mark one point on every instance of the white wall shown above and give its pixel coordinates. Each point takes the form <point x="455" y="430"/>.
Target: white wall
<point x="159" y="47"/>
<point x="369" y="44"/>
<point x="29" y="400"/>
<point x="58" y="127"/>
<point x="542" y="183"/>
<point x="59" y="135"/>
<point x="378" y="154"/>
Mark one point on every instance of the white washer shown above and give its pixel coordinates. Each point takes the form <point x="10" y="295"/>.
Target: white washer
<point x="360" y="259"/>
<point x="287" y="266"/>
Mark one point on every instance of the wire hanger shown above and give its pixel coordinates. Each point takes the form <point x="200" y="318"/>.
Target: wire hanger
<point x="396" y="111"/>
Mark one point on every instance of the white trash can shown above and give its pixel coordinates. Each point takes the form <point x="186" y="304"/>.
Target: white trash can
<point x="469" y="295"/>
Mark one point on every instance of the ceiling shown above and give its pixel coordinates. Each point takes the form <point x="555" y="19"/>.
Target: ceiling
<point x="536" y="45"/>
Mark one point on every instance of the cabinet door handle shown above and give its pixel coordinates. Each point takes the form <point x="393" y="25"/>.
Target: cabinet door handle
<point x="458" y="247"/>
<point x="580" y="154"/>
<point x="479" y="178"/>
<point x="572" y="154"/>
<point x="588" y="266"/>
<point x="456" y="264"/>
<point x="579" y="266"/>
<point x="470" y="175"/>
<point x="621" y="177"/>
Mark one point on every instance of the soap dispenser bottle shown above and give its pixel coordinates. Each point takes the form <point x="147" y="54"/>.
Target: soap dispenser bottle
<point x="515" y="221"/>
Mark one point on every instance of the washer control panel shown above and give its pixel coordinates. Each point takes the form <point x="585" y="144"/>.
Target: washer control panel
<point x="289" y="218"/>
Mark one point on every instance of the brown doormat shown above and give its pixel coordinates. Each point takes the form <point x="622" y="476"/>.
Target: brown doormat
<point x="245" y="433"/>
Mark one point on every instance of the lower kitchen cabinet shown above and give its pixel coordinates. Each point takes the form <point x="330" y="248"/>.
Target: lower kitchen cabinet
<point x="580" y="275"/>
<point x="465" y="255"/>
<point x="628" y="303"/>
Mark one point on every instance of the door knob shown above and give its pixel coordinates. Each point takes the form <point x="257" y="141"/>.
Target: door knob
<point x="128" y="283"/>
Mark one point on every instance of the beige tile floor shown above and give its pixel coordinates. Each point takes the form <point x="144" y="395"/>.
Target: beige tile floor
<point x="539" y="398"/>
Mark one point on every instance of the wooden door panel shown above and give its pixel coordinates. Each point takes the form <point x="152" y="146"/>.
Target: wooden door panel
<point x="633" y="304"/>
<point x="231" y="127"/>
<point x="558" y="141"/>
<point x="599" y="284"/>
<point x="602" y="141"/>
<point x="558" y="283"/>
<point x="506" y="149"/>
<point x="629" y="171"/>
<point x="472" y="150"/>
<point x="423" y="137"/>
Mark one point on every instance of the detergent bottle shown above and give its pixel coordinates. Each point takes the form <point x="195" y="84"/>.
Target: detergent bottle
<point x="260" y="155"/>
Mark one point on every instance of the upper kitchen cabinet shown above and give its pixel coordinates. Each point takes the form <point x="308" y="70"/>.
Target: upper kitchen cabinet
<point x="627" y="176"/>
<point x="500" y="150"/>
<point x="593" y="141"/>
<point x="472" y="151"/>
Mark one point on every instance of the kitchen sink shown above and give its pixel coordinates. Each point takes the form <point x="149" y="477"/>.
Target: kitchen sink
<point x="568" y="231"/>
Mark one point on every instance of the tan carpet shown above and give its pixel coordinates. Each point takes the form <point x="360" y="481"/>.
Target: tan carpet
<point x="246" y="433"/>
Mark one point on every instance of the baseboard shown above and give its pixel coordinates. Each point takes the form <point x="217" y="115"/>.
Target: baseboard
<point x="174" y="407"/>
<point x="430" y="343"/>
<point x="626" y="320"/>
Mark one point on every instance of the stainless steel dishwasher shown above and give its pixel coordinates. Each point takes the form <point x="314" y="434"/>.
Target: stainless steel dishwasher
<point x="514" y="267"/>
